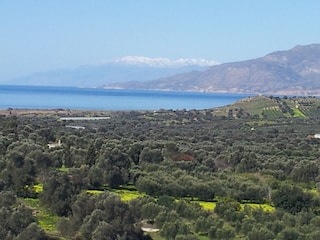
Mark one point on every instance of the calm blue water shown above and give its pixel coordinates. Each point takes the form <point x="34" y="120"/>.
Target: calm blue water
<point x="106" y="99"/>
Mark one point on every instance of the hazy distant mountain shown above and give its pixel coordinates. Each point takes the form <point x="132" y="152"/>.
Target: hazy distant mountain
<point x="296" y="71"/>
<point x="130" y="68"/>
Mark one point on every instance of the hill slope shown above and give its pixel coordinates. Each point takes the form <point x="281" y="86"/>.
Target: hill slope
<point x="271" y="107"/>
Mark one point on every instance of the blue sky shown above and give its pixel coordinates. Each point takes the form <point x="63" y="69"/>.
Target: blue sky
<point x="39" y="35"/>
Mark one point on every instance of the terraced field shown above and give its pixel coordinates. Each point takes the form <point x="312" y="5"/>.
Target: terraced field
<point x="276" y="107"/>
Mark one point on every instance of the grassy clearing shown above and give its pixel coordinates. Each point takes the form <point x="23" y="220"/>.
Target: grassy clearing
<point x="128" y="195"/>
<point x="210" y="206"/>
<point x="298" y="113"/>
<point x="94" y="191"/>
<point x="124" y="194"/>
<point x="38" y="188"/>
<point x="45" y="220"/>
<point x="264" y="207"/>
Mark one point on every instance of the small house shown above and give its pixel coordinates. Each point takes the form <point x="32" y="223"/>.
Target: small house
<point x="55" y="145"/>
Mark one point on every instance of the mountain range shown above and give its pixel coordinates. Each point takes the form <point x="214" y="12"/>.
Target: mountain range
<point x="291" y="72"/>
<point x="295" y="71"/>
<point x="130" y="68"/>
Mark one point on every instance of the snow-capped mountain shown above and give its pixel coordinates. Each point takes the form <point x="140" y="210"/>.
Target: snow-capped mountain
<point x="288" y="72"/>
<point x="125" y="69"/>
<point x="164" y="62"/>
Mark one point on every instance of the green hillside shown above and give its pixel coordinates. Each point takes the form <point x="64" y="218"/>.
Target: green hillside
<point x="272" y="107"/>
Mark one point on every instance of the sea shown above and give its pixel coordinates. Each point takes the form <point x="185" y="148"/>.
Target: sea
<point x="39" y="97"/>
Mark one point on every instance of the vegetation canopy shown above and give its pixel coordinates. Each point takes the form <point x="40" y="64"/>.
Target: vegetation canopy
<point x="245" y="171"/>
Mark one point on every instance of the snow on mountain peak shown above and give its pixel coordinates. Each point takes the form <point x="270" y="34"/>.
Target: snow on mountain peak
<point x="164" y="62"/>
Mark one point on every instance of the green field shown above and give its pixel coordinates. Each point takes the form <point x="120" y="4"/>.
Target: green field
<point x="206" y="205"/>
<point x="125" y="194"/>
<point x="211" y="206"/>
<point x="265" y="207"/>
<point x="45" y="220"/>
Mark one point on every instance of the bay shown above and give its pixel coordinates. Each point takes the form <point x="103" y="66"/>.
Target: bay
<point x="34" y="97"/>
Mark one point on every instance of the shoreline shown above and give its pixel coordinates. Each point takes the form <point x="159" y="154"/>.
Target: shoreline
<point x="59" y="112"/>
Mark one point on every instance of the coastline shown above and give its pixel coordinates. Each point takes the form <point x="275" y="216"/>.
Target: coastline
<point x="58" y="112"/>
